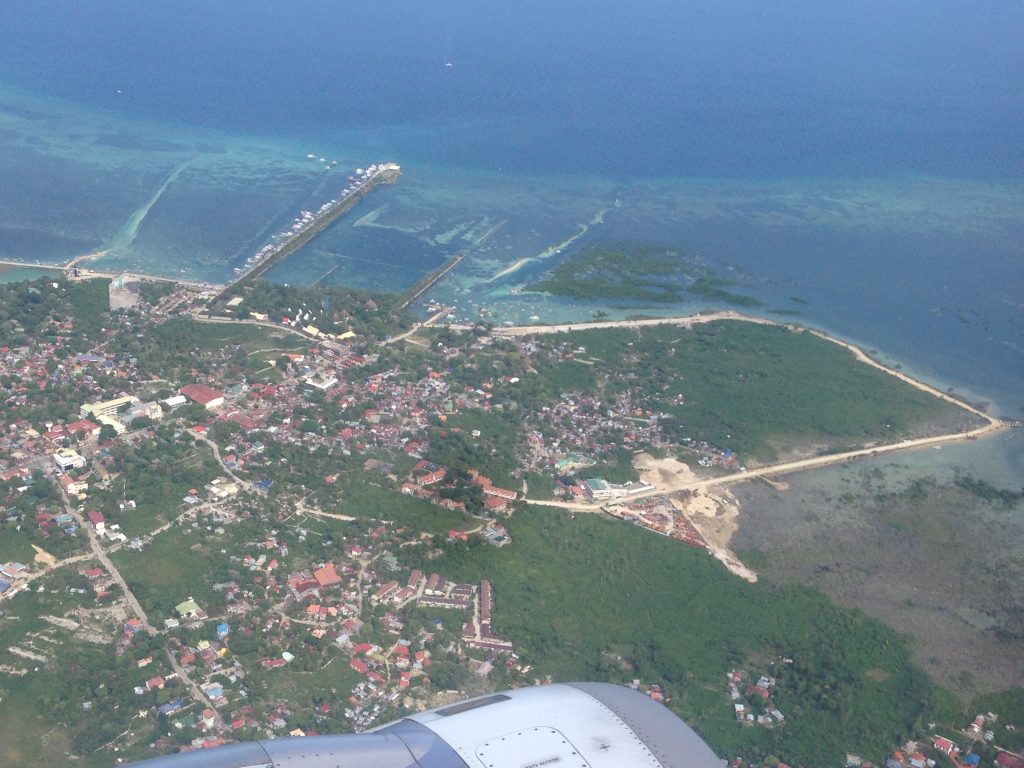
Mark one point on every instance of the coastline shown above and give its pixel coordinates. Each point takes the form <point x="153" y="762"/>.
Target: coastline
<point x="707" y="502"/>
<point x="689" y="321"/>
<point x="683" y="321"/>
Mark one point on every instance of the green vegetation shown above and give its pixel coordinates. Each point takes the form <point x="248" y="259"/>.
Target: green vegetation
<point x="571" y="589"/>
<point x="151" y="291"/>
<point x="174" y="348"/>
<point x="745" y="386"/>
<point x="156" y="474"/>
<point x="1010" y="708"/>
<point x="42" y="710"/>
<point x="493" y="452"/>
<point x="642" y="273"/>
<point x="174" y="567"/>
<point x="713" y="289"/>
<point x="365" y="500"/>
<point x="44" y="719"/>
<point x="332" y="309"/>
<point x="37" y="310"/>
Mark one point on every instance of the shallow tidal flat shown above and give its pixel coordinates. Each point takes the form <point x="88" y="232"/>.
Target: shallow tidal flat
<point x="909" y="539"/>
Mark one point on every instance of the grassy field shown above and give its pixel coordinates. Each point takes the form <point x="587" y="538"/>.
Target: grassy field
<point x="363" y="499"/>
<point x="172" y="568"/>
<point x="33" y="734"/>
<point x="570" y="589"/>
<point x="15" y="545"/>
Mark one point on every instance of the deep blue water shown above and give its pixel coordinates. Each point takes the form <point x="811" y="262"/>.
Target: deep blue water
<point x="657" y="87"/>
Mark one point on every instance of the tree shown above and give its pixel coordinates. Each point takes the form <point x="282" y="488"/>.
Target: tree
<point x="107" y="432"/>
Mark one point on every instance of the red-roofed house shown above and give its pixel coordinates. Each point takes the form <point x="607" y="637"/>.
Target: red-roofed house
<point x="495" y="504"/>
<point x="208" y="397"/>
<point x="154" y="683"/>
<point x="429" y="478"/>
<point x="327" y="576"/>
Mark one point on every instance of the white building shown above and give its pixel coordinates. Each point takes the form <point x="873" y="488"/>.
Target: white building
<point x="67" y="459"/>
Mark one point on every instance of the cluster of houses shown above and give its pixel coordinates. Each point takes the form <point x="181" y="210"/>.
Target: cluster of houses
<point x="916" y="754"/>
<point x="752" y="702"/>
<point x="571" y="435"/>
<point x="11" y="575"/>
<point x="328" y="603"/>
<point x="427" y="479"/>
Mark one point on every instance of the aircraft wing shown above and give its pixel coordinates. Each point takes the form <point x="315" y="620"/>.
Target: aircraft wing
<point x="576" y="725"/>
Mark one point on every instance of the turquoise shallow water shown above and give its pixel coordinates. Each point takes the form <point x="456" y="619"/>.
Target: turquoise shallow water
<point x="20" y="274"/>
<point x="927" y="270"/>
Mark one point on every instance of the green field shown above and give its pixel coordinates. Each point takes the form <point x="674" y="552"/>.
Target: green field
<point x="363" y="499"/>
<point x="175" y="566"/>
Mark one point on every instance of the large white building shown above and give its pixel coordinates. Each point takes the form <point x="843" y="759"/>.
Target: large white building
<point x="67" y="459"/>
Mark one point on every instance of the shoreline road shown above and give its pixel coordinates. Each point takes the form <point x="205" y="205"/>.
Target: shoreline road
<point x="788" y="467"/>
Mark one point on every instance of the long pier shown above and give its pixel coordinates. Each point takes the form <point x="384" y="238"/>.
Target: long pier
<point x="430" y="281"/>
<point x="385" y="173"/>
<point x="434" y="277"/>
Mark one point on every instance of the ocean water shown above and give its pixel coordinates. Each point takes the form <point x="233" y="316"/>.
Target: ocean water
<point x="861" y="164"/>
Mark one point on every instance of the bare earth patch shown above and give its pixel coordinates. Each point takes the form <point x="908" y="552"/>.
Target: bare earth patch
<point x="713" y="511"/>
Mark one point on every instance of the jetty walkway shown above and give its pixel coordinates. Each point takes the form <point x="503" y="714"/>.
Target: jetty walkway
<point x="384" y="173"/>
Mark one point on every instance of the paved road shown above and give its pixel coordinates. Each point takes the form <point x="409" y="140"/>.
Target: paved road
<point x="101" y="556"/>
<point x="216" y="453"/>
<point x="44" y="571"/>
<point x="417" y="327"/>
